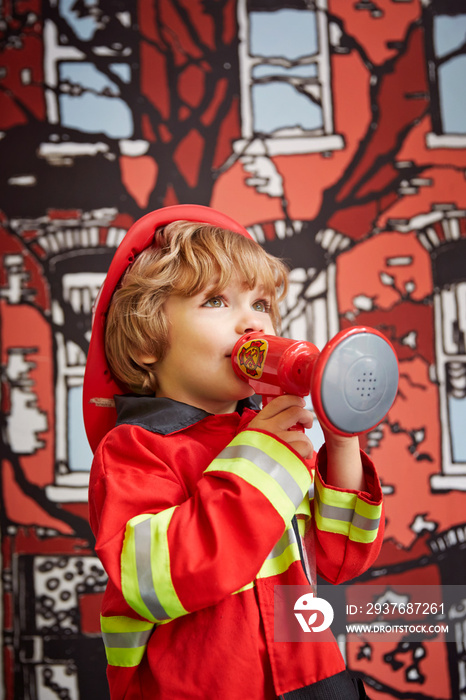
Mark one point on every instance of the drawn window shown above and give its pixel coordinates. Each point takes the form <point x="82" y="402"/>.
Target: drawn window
<point x="453" y="310"/>
<point x="79" y="452"/>
<point x="89" y="68"/>
<point x="456" y="396"/>
<point x="72" y="310"/>
<point x="83" y="20"/>
<point x="445" y="24"/>
<point x="450" y="311"/>
<point x="90" y="101"/>
<point x="285" y="69"/>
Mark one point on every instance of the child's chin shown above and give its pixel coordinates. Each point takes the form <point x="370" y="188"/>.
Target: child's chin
<point x="249" y="391"/>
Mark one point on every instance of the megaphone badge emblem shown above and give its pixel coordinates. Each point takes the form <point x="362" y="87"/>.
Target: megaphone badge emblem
<point x="251" y="357"/>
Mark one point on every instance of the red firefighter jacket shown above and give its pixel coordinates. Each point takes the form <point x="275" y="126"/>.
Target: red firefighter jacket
<point x="192" y="515"/>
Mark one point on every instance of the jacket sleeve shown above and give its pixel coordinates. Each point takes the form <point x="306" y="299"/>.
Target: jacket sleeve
<point x="170" y="553"/>
<point x="348" y="525"/>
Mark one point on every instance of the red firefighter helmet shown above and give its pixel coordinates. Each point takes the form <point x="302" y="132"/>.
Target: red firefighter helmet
<point x="100" y="385"/>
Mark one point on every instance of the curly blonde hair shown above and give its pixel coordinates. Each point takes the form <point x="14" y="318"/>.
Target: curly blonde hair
<point x="185" y="259"/>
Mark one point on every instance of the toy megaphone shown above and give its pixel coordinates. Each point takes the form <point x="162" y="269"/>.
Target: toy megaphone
<point x="352" y="382"/>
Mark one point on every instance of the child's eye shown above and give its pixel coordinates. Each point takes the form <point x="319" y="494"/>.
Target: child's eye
<point x="261" y="305"/>
<point x="214" y="302"/>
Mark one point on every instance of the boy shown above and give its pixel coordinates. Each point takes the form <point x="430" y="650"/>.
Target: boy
<point x="193" y="494"/>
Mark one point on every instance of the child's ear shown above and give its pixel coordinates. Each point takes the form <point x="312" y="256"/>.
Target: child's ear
<point x="147" y="359"/>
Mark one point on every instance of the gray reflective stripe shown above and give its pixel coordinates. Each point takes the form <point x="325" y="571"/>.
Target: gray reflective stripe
<point x="269" y="466"/>
<point x="347" y="515"/>
<point x="335" y="512"/>
<point x="126" y="640"/>
<point x="365" y="523"/>
<point x="285" y="540"/>
<point x="142" y="539"/>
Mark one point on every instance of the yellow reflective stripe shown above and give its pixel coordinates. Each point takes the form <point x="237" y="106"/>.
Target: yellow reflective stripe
<point x="344" y="499"/>
<point x="129" y="576"/>
<point x="351" y="501"/>
<point x="284" y="553"/>
<point x="288" y="537"/>
<point x="368" y="510"/>
<point x="120" y="623"/>
<point x="125" y="657"/>
<point x="331" y="497"/>
<point x="267" y="465"/>
<point x="125" y="639"/>
<point x="304" y="507"/>
<point x="277" y="565"/>
<point x="301" y="526"/>
<point x="341" y="527"/>
<point x="145" y="568"/>
<point x="278" y="452"/>
<point x="245" y="588"/>
<point x="347" y="519"/>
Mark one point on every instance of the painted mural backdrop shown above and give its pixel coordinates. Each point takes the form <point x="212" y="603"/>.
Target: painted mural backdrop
<point x="335" y="130"/>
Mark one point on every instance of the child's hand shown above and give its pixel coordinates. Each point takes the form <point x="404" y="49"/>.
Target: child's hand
<point x="280" y="415"/>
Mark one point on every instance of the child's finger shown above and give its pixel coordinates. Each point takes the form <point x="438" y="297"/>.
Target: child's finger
<point x="291" y="416"/>
<point x="283" y="415"/>
<point x="280" y="404"/>
<point x="299" y="442"/>
<point x="305" y="418"/>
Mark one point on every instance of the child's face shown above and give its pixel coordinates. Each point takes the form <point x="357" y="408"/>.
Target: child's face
<point x="203" y="330"/>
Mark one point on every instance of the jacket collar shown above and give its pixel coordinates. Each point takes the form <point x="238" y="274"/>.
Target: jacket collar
<point x="162" y="415"/>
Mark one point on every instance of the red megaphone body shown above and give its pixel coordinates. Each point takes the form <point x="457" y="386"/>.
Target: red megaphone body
<point x="352" y="382"/>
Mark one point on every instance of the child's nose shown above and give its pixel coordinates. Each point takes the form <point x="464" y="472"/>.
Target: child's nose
<point x="249" y="322"/>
